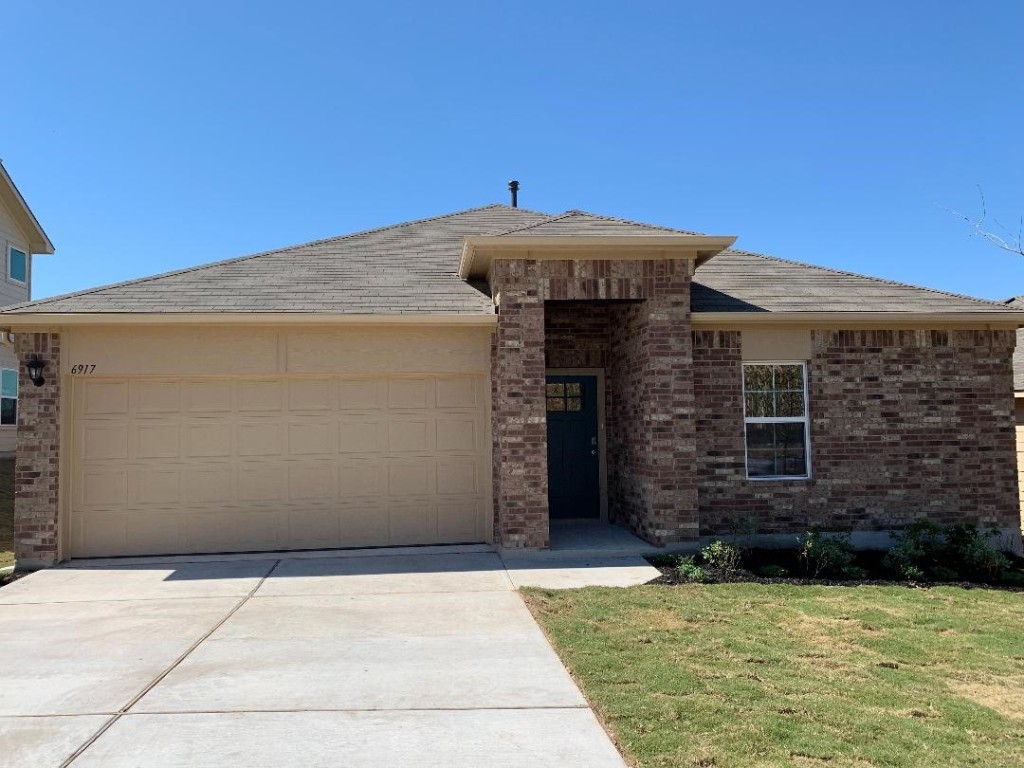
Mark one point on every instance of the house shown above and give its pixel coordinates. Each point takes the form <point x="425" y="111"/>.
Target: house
<point x="21" y="237"/>
<point x="473" y="377"/>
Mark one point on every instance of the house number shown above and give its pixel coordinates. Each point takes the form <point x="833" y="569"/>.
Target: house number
<point x="86" y="368"/>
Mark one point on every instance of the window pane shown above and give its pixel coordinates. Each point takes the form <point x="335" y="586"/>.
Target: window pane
<point x="575" y="404"/>
<point x="8" y="383"/>
<point x="759" y="404"/>
<point x="789" y="377"/>
<point x="17" y="265"/>
<point x="572" y="390"/>
<point x="556" y="390"/>
<point x="757" y="377"/>
<point x="556" y="404"/>
<point x="790" y="404"/>
<point x="776" y="450"/>
<point x="8" y="411"/>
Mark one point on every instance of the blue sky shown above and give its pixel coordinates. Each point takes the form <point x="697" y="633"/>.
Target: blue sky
<point x="150" y="137"/>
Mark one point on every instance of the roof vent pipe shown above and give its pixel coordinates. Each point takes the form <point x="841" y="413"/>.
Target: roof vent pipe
<point x="513" y="187"/>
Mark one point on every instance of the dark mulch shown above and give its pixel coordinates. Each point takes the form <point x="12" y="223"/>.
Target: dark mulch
<point x="871" y="561"/>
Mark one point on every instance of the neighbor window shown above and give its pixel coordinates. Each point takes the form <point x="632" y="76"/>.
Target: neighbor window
<point x="775" y="418"/>
<point x="17" y="265"/>
<point x="8" y="396"/>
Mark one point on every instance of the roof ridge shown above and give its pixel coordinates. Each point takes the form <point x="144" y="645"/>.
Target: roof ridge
<point x="634" y="223"/>
<point x="550" y="218"/>
<point x="237" y="259"/>
<point x="884" y="281"/>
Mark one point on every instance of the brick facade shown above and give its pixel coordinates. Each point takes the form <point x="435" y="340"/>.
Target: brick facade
<point x="631" y="318"/>
<point x="37" y="470"/>
<point x="904" y="424"/>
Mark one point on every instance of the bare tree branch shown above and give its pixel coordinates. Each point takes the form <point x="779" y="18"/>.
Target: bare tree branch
<point x="1011" y="243"/>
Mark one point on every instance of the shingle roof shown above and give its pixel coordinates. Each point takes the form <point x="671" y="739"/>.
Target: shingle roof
<point x="411" y="268"/>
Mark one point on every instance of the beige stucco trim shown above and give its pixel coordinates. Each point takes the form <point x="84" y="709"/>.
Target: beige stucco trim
<point x="739" y="321"/>
<point x="39" y="321"/>
<point x="38" y="241"/>
<point x="479" y="252"/>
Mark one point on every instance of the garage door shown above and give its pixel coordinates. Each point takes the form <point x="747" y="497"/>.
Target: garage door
<point x="180" y="465"/>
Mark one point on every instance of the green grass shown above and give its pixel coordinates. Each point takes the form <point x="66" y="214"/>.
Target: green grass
<point x="778" y="675"/>
<point x="6" y="512"/>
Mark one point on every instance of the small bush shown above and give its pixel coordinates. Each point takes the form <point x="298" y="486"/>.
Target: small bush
<point x="824" y="554"/>
<point x="722" y="554"/>
<point x="854" y="572"/>
<point x="664" y="561"/>
<point x="688" y="570"/>
<point x="924" y="551"/>
<point x="772" y="571"/>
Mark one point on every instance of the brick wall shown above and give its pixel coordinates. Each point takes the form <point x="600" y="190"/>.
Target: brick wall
<point x="903" y="424"/>
<point x="36" y="475"/>
<point x="582" y="307"/>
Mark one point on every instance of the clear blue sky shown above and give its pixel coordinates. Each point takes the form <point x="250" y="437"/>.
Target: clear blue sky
<point x="153" y="136"/>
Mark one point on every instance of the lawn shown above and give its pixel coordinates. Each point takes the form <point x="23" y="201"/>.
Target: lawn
<point x="6" y="512"/>
<point x="780" y="675"/>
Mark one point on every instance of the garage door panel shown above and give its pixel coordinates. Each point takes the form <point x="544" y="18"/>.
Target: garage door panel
<point x="263" y="482"/>
<point x="194" y="465"/>
<point x="155" y="486"/>
<point x="261" y="396"/>
<point x="309" y="438"/>
<point x="208" y="483"/>
<point x="361" y="394"/>
<point x="204" y="397"/>
<point x="155" y="397"/>
<point x="260" y="438"/>
<point x="156" y="440"/>
<point x="208" y="438"/>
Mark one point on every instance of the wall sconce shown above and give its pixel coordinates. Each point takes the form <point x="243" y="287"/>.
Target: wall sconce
<point x="35" y="368"/>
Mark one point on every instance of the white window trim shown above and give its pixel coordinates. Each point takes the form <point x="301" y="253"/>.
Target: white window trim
<point x="16" y="398"/>
<point x="11" y="277"/>
<point x="806" y="419"/>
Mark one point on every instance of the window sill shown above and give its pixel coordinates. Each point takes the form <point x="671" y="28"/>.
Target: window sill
<point x="778" y="478"/>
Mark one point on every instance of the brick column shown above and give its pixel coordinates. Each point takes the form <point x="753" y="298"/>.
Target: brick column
<point x="519" y="421"/>
<point x="37" y="469"/>
<point x="669" y="425"/>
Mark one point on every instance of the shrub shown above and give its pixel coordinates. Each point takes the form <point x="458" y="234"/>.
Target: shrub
<point x="664" y="561"/>
<point x="722" y="554"/>
<point x="772" y="571"/>
<point x="688" y="570"/>
<point x="926" y="551"/>
<point x="825" y="554"/>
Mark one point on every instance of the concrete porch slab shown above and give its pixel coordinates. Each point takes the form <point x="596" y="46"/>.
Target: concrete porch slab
<point x="548" y="738"/>
<point x="571" y="571"/>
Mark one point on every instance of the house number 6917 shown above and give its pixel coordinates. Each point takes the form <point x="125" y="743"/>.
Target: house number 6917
<point x="85" y="368"/>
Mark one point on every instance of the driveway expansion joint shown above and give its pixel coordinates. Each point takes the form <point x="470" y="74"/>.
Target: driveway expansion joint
<point x="156" y="681"/>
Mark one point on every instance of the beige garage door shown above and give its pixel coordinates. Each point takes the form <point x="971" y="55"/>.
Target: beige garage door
<point x="182" y="465"/>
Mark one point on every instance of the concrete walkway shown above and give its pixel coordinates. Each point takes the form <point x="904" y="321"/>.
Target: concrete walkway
<point x="392" y="659"/>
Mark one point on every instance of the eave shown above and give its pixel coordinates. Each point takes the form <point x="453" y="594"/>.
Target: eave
<point x="479" y="252"/>
<point x="28" y="320"/>
<point x="981" y="320"/>
<point x="38" y="240"/>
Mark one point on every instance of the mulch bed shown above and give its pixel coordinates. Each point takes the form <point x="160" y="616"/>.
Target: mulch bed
<point x="870" y="561"/>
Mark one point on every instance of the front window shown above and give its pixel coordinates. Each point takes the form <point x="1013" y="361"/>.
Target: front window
<point x="17" y="265"/>
<point x="8" y="396"/>
<point x="775" y="418"/>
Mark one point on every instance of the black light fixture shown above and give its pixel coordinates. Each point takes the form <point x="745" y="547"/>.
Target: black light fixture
<point x="35" y="368"/>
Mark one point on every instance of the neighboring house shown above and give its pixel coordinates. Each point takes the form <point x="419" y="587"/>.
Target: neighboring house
<point x="20" y="238"/>
<point x="1017" y="302"/>
<point x="471" y="377"/>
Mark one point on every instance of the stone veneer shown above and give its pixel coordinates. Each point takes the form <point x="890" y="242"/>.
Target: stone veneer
<point x="904" y="424"/>
<point x="37" y="469"/>
<point x="648" y="358"/>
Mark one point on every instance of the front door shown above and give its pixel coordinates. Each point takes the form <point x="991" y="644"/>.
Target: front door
<point x="573" y="455"/>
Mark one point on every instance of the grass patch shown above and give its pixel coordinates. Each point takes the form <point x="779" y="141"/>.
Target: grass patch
<point x="6" y="512"/>
<point x="778" y="675"/>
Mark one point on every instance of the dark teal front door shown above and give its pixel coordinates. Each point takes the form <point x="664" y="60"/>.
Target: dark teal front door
<point x="574" y="488"/>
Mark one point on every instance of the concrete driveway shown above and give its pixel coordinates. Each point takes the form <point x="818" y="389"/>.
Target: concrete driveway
<point x="426" y="660"/>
